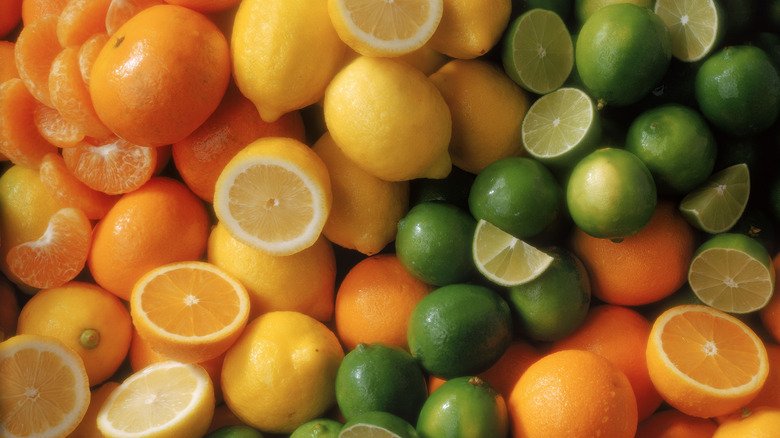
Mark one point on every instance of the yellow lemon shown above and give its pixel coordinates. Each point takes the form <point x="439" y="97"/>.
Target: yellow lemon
<point x="389" y="119"/>
<point x="284" y="53"/>
<point x="470" y="28"/>
<point x="487" y="110"/>
<point x="281" y="372"/>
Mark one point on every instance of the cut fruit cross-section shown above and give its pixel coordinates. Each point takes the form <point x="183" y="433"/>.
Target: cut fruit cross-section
<point x="695" y="25"/>
<point x="504" y="259"/>
<point x="716" y="205"/>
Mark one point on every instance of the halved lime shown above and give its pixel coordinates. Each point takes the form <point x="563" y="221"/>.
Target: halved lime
<point x="732" y="272"/>
<point x="716" y="205"/>
<point x="538" y="52"/>
<point x="696" y="26"/>
<point x="561" y="127"/>
<point x="377" y="424"/>
<point x="504" y="259"/>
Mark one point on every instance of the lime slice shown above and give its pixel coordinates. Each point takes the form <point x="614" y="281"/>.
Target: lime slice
<point x="716" y="205"/>
<point x="732" y="272"/>
<point x="561" y="127"/>
<point x="538" y="51"/>
<point x="695" y="26"/>
<point x="377" y="424"/>
<point x="504" y="259"/>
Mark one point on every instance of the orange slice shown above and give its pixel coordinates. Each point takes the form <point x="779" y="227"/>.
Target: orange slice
<point x="189" y="311"/>
<point x="35" y="50"/>
<point x="54" y="128"/>
<point x="45" y="390"/>
<point x="113" y="166"/>
<point x="20" y="141"/>
<point x="80" y="19"/>
<point x="58" y="255"/>
<point x="705" y="362"/>
<point x="68" y="191"/>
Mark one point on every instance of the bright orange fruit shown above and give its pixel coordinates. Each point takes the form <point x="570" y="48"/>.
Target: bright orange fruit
<point x="21" y="142"/>
<point x="68" y="191"/>
<point x="35" y="50"/>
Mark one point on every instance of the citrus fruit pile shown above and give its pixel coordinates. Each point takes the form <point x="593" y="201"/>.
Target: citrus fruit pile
<point x="396" y="219"/>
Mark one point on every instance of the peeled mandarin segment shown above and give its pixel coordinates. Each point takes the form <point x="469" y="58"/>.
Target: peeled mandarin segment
<point x="45" y="387"/>
<point x="69" y="191"/>
<point x="695" y="26"/>
<point x="119" y="11"/>
<point x="32" y="10"/>
<point x="35" y="50"/>
<point x="113" y="166"/>
<point x="80" y="19"/>
<point x="88" y="52"/>
<point x="54" y="128"/>
<point x="21" y="141"/>
<point x="7" y="62"/>
<point x="58" y="255"/>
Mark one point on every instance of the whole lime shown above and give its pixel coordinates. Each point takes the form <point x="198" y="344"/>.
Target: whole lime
<point x="464" y="407"/>
<point x="583" y="9"/>
<point x="433" y="243"/>
<point x="611" y="194"/>
<point x="553" y="305"/>
<point x="377" y="377"/>
<point x="738" y="90"/>
<point x="623" y="51"/>
<point x="318" y="428"/>
<point x="459" y="329"/>
<point x="518" y="195"/>
<point x="676" y="145"/>
<point x="235" y="431"/>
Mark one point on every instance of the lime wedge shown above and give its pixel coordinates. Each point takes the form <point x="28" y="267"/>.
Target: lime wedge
<point x="377" y="424"/>
<point x="504" y="259"/>
<point x="561" y="127"/>
<point x="732" y="272"/>
<point x="716" y="205"/>
<point x="695" y="26"/>
<point x="538" y="52"/>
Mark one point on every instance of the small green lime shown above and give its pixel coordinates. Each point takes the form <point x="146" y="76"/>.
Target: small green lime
<point x="676" y="145"/>
<point x="623" y="51"/>
<point x="611" y="194"/>
<point x="583" y="9"/>
<point x="433" y="243"/>
<point x="738" y="90"/>
<point x="553" y="305"/>
<point x="235" y="431"/>
<point x="377" y="424"/>
<point x="464" y="407"/>
<point x="318" y="428"/>
<point x="459" y="330"/>
<point x="377" y="377"/>
<point x="517" y="194"/>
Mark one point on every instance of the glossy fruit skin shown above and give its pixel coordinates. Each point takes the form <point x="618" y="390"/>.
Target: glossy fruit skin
<point x="459" y="329"/>
<point x="464" y="407"/>
<point x="377" y="377"/>
<point x="318" y="428"/>
<point x="517" y="194"/>
<point x="738" y="90"/>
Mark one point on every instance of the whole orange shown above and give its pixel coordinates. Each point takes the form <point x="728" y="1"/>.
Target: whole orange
<point x="770" y="393"/>
<point x="619" y="334"/>
<point x="573" y="393"/>
<point x="161" y="222"/>
<point x="763" y="422"/>
<point x="671" y="423"/>
<point x="642" y="268"/>
<point x="160" y="75"/>
<point x="205" y="5"/>
<point x="770" y="314"/>
<point x="375" y="300"/>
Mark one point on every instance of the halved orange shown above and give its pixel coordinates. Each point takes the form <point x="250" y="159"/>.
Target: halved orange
<point x="58" y="255"/>
<point x="189" y="311"/>
<point x="45" y="390"/>
<point x="705" y="362"/>
<point x="68" y="191"/>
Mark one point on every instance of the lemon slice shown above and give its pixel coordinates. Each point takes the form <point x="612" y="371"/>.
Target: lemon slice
<point x="504" y="259"/>
<point x="717" y="205"/>
<point x="274" y="195"/>
<point x="695" y="26"/>
<point x="385" y="28"/>
<point x="166" y="399"/>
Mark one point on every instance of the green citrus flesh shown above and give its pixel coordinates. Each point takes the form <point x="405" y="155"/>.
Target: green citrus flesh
<point x="696" y="26"/>
<point x="716" y="205"/>
<point x="504" y="259"/>
<point x="377" y="424"/>
<point x="538" y="51"/>
<point x="732" y="272"/>
<point x="561" y="127"/>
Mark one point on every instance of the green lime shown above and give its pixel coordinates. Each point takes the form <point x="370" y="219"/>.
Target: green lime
<point x="378" y="377"/>
<point x="464" y="407"/>
<point x="459" y="330"/>
<point x="676" y="145"/>
<point x="732" y="272"/>
<point x="537" y="51"/>
<point x="561" y="127"/>
<point x="554" y="304"/>
<point x="611" y="194"/>
<point x="623" y="51"/>
<point x="560" y="7"/>
<point x="433" y="243"/>
<point x="517" y="194"/>
<point x="696" y="26"/>
<point x="377" y="424"/>
<point x="453" y="189"/>
<point x="583" y="9"/>
<point x="235" y="431"/>
<point x="738" y="90"/>
<point x="716" y="205"/>
<point x="504" y="259"/>
<point x="318" y="428"/>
